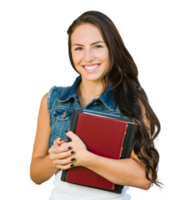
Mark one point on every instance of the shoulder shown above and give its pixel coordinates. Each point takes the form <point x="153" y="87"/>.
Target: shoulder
<point x="51" y="88"/>
<point x="53" y="91"/>
<point x="43" y="105"/>
<point x="44" y="100"/>
<point x="54" y="87"/>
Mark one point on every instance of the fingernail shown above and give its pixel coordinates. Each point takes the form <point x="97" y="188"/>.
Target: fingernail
<point x="72" y="152"/>
<point x="73" y="159"/>
<point x="69" y="147"/>
<point x="71" y="165"/>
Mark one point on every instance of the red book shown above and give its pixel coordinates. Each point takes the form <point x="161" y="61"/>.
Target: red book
<point x="104" y="135"/>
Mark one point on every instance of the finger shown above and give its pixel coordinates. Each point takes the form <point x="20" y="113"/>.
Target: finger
<point x="50" y="151"/>
<point x="64" y="167"/>
<point x="56" y="141"/>
<point x="61" y="141"/>
<point x="62" y="152"/>
<point x="58" y="159"/>
<point x="62" y="155"/>
<point x="66" y="161"/>
<point x="54" y="151"/>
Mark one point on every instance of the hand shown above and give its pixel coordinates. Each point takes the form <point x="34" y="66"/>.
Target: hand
<point x="69" y="154"/>
<point x="52" y="150"/>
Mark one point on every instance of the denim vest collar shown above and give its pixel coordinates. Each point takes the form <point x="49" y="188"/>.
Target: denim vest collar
<point x="106" y="98"/>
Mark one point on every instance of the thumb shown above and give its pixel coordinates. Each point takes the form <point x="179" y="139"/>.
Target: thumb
<point x="67" y="133"/>
<point x="71" y="135"/>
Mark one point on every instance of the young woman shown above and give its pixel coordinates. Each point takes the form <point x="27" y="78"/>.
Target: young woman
<point x="107" y="82"/>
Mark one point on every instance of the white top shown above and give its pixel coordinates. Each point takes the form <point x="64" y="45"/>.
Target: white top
<point x="69" y="191"/>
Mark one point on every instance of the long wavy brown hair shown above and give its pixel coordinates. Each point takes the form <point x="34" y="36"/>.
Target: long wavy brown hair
<point x="127" y="91"/>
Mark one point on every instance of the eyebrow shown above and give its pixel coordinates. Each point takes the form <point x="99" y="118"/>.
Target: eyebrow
<point x="91" y="44"/>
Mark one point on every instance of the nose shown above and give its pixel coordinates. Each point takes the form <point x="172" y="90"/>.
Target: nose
<point x="88" y="55"/>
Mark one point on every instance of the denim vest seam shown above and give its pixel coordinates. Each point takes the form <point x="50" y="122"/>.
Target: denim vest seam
<point x="48" y="100"/>
<point x="53" y="106"/>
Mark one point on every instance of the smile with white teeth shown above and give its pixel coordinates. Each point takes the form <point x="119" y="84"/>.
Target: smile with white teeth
<point x="91" y="67"/>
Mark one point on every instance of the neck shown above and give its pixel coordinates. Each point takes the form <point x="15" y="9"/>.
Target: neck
<point x="90" y="91"/>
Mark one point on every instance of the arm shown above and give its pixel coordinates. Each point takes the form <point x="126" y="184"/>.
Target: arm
<point x="41" y="167"/>
<point x="122" y="172"/>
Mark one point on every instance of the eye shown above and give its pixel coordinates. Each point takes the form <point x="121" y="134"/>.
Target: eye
<point x="77" y="48"/>
<point x="94" y="46"/>
<point x="98" y="46"/>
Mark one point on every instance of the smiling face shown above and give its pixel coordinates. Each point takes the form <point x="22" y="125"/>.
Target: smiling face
<point x="89" y="52"/>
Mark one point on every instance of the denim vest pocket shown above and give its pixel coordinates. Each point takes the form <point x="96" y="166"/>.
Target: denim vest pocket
<point x="62" y="120"/>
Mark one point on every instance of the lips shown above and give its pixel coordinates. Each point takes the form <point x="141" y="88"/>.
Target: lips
<point x="91" y="65"/>
<point x="91" y="70"/>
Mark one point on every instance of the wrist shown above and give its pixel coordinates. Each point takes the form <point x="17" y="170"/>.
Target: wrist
<point x="87" y="158"/>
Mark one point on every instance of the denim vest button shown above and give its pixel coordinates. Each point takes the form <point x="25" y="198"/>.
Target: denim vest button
<point x="63" y="115"/>
<point x="94" y="103"/>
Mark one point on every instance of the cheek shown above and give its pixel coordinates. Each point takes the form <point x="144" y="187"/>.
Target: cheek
<point x="77" y="58"/>
<point x="103" y="56"/>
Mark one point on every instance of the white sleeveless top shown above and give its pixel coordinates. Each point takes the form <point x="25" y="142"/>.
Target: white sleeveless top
<point x="69" y="191"/>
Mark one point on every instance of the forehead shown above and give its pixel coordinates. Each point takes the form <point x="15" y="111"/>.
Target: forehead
<point x="86" y="33"/>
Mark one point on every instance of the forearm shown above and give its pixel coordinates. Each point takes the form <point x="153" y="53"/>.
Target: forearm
<point x="42" y="169"/>
<point x="122" y="171"/>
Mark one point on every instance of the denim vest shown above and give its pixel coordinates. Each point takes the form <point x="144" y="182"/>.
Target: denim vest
<point x="62" y="100"/>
